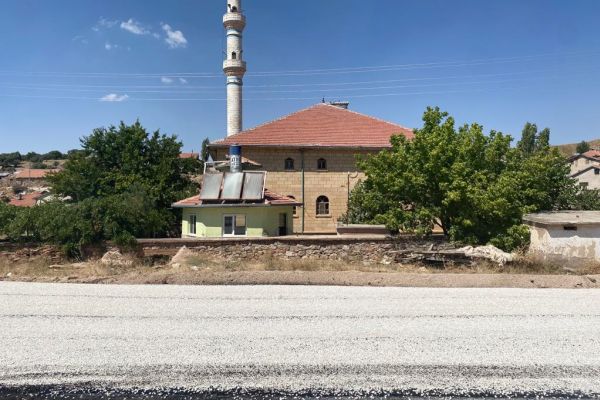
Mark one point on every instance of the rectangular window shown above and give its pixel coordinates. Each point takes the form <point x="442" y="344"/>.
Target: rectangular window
<point x="192" y="227"/>
<point x="234" y="225"/>
<point x="597" y="171"/>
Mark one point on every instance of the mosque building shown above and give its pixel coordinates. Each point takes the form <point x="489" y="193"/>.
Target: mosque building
<point x="309" y="156"/>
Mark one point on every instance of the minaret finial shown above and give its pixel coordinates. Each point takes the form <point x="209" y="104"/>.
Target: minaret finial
<point x="234" y="67"/>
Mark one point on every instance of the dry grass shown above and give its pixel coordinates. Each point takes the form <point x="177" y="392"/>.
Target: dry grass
<point x="523" y="265"/>
<point x="193" y="267"/>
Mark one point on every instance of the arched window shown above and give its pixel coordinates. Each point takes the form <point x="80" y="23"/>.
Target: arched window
<point x="234" y="56"/>
<point x="234" y="9"/>
<point x="289" y="164"/>
<point x="321" y="164"/>
<point x="322" y="205"/>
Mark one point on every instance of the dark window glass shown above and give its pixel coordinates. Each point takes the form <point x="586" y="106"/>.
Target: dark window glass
<point x="289" y="164"/>
<point x="192" y="225"/>
<point x="322" y="164"/>
<point x="322" y="205"/>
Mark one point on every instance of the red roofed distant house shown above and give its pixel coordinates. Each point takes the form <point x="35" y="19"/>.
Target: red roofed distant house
<point x="310" y="156"/>
<point x="28" y="176"/>
<point x="192" y="155"/>
<point x="28" y="199"/>
<point x="585" y="168"/>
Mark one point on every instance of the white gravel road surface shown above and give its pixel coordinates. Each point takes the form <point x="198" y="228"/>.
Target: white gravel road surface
<point x="299" y="337"/>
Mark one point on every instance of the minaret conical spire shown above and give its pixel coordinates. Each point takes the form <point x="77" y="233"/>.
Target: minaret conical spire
<point x="234" y="67"/>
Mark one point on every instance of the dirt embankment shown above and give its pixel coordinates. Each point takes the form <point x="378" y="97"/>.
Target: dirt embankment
<point x="192" y="269"/>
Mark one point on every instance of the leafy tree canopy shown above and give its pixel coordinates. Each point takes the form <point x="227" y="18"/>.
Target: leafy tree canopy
<point x="113" y="160"/>
<point x="123" y="182"/>
<point x="475" y="187"/>
<point x="582" y="147"/>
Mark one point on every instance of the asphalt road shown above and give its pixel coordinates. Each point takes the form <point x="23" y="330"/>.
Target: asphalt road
<point x="299" y="339"/>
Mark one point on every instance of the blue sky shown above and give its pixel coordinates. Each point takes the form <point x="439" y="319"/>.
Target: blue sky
<point x="499" y="63"/>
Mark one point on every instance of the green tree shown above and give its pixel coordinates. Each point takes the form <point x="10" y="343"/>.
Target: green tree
<point x="53" y="155"/>
<point x="33" y="157"/>
<point x="113" y="160"/>
<point x="476" y="187"/>
<point x="10" y="160"/>
<point x="582" y="147"/>
<point x="204" y="154"/>
<point x="527" y="143"/>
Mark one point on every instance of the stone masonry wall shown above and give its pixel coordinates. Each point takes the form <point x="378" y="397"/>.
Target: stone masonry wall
<point x="366" y="250"/>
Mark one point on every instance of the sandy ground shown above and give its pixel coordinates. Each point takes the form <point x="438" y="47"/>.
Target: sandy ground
<point x="185" y="276"/>
<point x="189" y="268"/>
<point x="298" y="338"/>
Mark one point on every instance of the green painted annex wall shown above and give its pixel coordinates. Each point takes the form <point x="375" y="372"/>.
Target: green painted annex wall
<point x="260" y="221"/>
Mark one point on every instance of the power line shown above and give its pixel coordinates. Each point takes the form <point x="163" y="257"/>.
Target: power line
<point x="190" y="99"/>
<point x="315" y="90"/>
<point x="220" y="87"/>
<point x="343" y="70"/>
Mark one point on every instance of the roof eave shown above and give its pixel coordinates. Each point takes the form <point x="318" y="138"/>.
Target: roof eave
<point x="301" y="146"/>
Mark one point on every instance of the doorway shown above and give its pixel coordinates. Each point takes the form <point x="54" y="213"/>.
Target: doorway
<point x="283" y="226"/>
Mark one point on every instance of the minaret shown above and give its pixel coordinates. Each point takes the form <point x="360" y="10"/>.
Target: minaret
<point x="234" y="67"/>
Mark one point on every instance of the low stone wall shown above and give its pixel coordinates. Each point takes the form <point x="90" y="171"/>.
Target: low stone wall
<point x="16" y="252"/>
<point x="356" y="249"/>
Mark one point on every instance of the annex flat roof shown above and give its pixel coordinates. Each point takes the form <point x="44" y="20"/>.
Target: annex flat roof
<point x="321" y="125"/>
<point x="563" y="218"/>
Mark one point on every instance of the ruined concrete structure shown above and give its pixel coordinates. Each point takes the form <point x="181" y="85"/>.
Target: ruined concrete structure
<point x="565" y="235"/>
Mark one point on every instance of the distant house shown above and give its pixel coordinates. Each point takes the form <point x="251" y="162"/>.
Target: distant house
<point x="192" y="155"/>
<point x="565" y="235"/>
<point x="585" y="168"/>
<point x="28" y="176"/>
<point x="28" y="199"/>
<point x="236" y="204"/>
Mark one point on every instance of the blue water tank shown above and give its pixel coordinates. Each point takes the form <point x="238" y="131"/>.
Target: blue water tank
<point x="235" y="158"/>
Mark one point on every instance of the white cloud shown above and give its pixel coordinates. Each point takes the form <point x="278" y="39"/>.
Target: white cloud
<point x="134" y="27"/>
<point x="110" y="46"/>
<point x="166" y="80"/>
<point x="80" y="39"/>
<point x="113" y="97"/>
<point x="174" y="39"/>
<point x="183" y="81"/>
<point x="104" y="23"/>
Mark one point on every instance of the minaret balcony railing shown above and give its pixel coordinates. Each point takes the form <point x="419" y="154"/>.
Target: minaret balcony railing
<point x="234" y="67"/>
<point x="235" y="20"/>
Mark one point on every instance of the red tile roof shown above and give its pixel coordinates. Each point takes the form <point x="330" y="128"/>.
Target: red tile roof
<point x="271" y="198"/>
<point x="592" y="154"/>
<point x="320" y="125"/>
<point x="28" y="173"/>
<point x="189" y="155"/>
<point x="26" y="200"/>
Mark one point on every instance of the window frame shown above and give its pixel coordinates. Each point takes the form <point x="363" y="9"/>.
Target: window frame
<point x="234" y="225"/>
<point x="324" y="162"/>
<point x="192" y="227"/>
<point x="323" y="200"/>
<point x="293" y="164"/>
